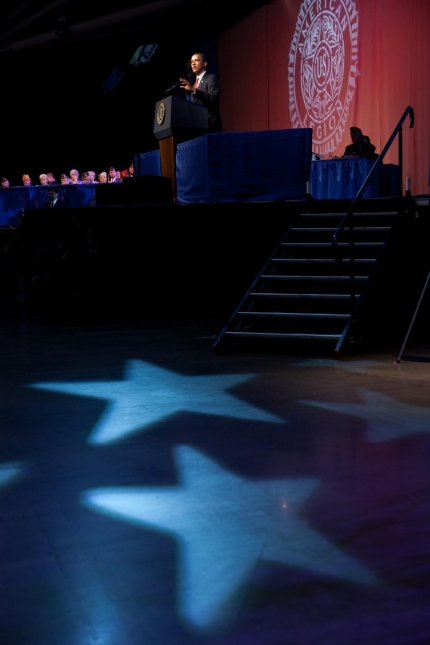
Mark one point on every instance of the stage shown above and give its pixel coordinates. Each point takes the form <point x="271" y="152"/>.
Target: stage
<point x="152" y="259"/>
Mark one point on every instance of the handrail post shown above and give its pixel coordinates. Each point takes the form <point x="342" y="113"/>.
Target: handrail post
<point x="352" y="266"/>
<point x="400" y="162"/>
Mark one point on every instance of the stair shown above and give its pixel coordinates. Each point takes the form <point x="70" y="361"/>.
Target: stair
<point x="302" y="297"/>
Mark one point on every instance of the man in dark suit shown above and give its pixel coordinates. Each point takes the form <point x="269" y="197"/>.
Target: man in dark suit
<point x="360" y="146"/>
<point x="54" y="202"/>
<point x="205" y="90"/>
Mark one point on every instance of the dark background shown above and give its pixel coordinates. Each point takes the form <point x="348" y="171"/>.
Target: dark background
<point x="56" y="60"/>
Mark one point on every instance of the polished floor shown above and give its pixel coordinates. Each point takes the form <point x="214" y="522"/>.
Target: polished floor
<point x="153" y="493"/>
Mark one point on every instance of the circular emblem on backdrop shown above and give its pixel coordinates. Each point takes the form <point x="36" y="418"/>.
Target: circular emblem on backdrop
<point x="161" y="113"/>
<point x="322" y="69"/>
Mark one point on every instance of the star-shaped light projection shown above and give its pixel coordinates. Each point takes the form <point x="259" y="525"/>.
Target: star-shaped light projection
<point x="10" y="472"/>
<point x="387" y="418"/>
<point x="226" y="526"/>
<point x="359" y="366"/>
<point x="149" y="393"/>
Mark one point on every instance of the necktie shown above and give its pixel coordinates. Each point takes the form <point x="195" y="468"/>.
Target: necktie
<point x="52" y="205"/>
<point x="196" y="84"/>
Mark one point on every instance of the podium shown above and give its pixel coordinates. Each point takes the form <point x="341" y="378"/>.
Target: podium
<point x="176" y="120"/>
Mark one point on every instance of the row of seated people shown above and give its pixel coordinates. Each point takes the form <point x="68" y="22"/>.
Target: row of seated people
<point x="88" y="177"/>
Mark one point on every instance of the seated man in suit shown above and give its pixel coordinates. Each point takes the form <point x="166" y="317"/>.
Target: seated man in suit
<point x="360" y="146"/>
<point x="205" y="90"/>
<point x="54" y="202"/>
<point x="113" y="176"/>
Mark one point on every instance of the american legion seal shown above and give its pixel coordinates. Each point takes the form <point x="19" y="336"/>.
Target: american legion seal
<point x="322" y="70"/>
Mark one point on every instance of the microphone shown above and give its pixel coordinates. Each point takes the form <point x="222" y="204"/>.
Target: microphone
<point x="174" y="87"/>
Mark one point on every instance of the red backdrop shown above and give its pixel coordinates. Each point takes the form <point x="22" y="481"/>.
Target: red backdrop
<point x="331" y="64"/>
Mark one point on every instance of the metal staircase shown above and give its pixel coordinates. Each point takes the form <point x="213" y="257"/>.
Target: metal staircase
<point x="307" y="297"/>
<point x="321" y="283"/>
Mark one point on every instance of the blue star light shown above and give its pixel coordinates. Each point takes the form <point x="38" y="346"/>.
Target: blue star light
<point x="226" y="526"/>
<point x="355" y="366"/>
<point x="149" y="393"/>
<point x="387" y="419"/>
<point x="10" y="472"/>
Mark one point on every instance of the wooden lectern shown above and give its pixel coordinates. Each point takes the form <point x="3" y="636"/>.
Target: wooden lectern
<point x="176" y="120"/>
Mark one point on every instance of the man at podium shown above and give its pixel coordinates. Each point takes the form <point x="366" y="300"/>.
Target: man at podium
<point x="205" y="91"/>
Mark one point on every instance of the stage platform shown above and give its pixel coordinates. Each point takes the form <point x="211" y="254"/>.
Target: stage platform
<point x="150" y="259"/>
<point x="159" y="259"/>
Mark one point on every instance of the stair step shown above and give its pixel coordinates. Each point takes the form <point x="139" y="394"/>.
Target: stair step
<point x="309" y="296"/>
<point x="332" y="278"/>
<point x="295" y="314"/>
<point x="319" y="260"/>
<point x="297" y="336"/>
<point x="359" y="215"/>
<point x="371" y="216"/>
<point x="329" y="267"/>
<point x="356" y="229"/>
<point x="340" y="245"/>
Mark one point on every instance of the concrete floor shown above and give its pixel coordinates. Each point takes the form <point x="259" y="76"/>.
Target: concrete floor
<point x="153" y="493"/>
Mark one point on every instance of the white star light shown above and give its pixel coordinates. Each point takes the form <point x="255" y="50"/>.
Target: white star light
<point x="226" y="526"/>
<point x="387" y="418"/>
<point x="149" y="393"/>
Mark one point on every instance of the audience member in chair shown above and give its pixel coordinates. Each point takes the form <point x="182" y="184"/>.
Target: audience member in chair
<point x="65" y="179"/>
<point x="54" y="202"/>
<point x="360" y="146"/>
<point x="74" y="176"/>
<point x="4" y="182"/>
<point x="113" y="176"/>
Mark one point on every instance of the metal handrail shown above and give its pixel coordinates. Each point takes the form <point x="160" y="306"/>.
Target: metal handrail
<point x="378" y="162"/>
<point x="347" y="220"/>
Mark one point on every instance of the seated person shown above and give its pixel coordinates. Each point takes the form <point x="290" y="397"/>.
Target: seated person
<point x="54" y="202"/>
<point x="360" y="146"/>
<point x="103" y="177"/>
<point x="4" y="182"/>
<point x="26" y="180"/>
<point x="113" y="177"/>
<point x="51" y="178"/>
<point x="43" y="179"/>
<point x="65" y="179"/>
<point x="74" y="176"/>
